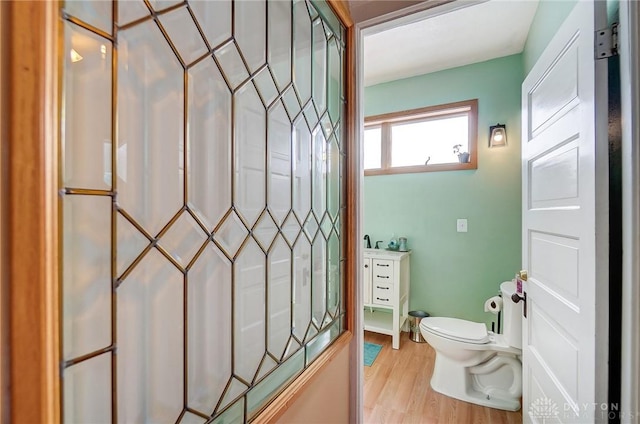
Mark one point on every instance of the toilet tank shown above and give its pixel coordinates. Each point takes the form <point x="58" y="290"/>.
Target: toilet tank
<point x="512" y="315"/>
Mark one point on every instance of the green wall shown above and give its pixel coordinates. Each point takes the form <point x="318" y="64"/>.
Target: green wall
<point x="453" y="273"/>
<point x="548" y="18"/>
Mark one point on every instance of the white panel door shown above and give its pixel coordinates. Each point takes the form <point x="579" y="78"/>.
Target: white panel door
<point x="565" y="197"/>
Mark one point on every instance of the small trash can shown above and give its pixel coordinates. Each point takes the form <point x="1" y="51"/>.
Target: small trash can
<point x="414" y="325"/>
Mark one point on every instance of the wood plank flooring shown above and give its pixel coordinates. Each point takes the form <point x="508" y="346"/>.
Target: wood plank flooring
<point x="397" y="390"/>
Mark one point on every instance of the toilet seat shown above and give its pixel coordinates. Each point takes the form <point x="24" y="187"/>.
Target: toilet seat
<point x="456" y="329"/>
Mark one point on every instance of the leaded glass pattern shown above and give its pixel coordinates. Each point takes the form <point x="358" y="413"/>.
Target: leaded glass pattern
<point x="202" y="201"/>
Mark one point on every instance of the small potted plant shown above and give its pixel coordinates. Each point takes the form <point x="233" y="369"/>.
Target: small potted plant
<point x="463" y="157"/>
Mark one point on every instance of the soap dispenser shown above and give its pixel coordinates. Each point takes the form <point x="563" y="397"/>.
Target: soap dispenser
<point x="393" y="243"/>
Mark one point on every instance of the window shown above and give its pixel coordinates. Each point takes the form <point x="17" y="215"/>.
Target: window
<point x="435" y="138"/>
<point x="204" y="272"/>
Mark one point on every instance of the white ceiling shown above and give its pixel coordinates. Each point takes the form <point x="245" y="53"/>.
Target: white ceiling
<point x="480" y="32"/>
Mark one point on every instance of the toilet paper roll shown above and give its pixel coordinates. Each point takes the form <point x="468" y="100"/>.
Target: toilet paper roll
<point x="493" y="305"/>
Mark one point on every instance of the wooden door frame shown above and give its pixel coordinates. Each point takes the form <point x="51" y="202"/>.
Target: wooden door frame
<point x="31" y="271"/>
<point x="32" y="210"/>
<point x="4" y="274"/>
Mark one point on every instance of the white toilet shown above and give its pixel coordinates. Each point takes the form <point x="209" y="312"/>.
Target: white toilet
<point x="476" y="365"/>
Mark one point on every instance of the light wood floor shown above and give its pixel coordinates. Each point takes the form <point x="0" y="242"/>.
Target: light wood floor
<point x="397" y="389"/>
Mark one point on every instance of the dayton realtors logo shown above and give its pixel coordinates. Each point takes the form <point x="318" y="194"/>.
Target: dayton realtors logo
<point x="543" y="409"/>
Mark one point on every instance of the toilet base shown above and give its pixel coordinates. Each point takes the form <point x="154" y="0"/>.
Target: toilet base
<point x="465" y="383"/>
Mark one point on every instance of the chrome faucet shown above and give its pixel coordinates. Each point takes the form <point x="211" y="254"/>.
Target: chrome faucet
<point x="368" y="240"/>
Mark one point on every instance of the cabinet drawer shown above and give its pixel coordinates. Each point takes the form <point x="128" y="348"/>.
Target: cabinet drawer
<point x="382" y="294"/>
<point x="382" y="270"/>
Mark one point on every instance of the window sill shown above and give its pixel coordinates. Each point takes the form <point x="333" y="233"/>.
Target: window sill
<point x="422" y="168"/>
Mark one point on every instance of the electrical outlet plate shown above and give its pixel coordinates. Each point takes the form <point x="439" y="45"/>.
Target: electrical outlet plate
<point x="461" y="225"/>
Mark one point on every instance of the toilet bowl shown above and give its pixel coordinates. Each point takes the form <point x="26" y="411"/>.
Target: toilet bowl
<point x="476" y="365"/>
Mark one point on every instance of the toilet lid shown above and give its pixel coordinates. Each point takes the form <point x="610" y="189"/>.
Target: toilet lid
<point x="456" y="329"/>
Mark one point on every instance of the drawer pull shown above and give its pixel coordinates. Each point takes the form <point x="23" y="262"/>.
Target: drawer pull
<point x="382" y="276"/>
<point x="382" y="264"/>
<point x="386" y="300"/>
<point x="383" y="288"/>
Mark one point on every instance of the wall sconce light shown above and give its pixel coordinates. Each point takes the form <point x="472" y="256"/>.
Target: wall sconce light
<point x="498" y="135"/>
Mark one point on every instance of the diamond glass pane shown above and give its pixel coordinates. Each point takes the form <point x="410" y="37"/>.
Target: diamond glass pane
<point x="209" y="333"/>
<point x="231" y="234"/>
<point x="250" y="31"/>
<point x="150" y="127"/>
<point x="184" y="34"/>
<point x="249" y="311"/>
<point x="279" y="38"/>
<point x="326" y="226"/>
<point x="311" y="115"/>
<point x="311" y="226"/>
<point x="87" y="109"/>
<point x="291" y="229"/>
<point x="279" y="139"/>
<point x="325" y="124"/>
<point x="209" y="143"/>
<point x="86" y="275"/>
<point x="279" y="297"/>
<point x="319" y="66"/>
<point x="250" y="153"/>
<point x="266" y="87"/>
<point x="302" y="49"/>
<point x="214" y="18"/>
<point x="183" y="239"/>
<point x="231" y="63"/>
<point x="87" y="391"/>
<point x="301" y="288"/>
<point x="265" y="231"/>
<point x="291" y="102"/>
<point x="150" y="336"/>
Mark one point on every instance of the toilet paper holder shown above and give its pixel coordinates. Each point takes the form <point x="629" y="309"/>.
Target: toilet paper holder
<point x="494" y="305"/>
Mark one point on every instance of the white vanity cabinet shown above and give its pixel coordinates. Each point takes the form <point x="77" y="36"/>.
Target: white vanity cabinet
<point x="386" y="292"/>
